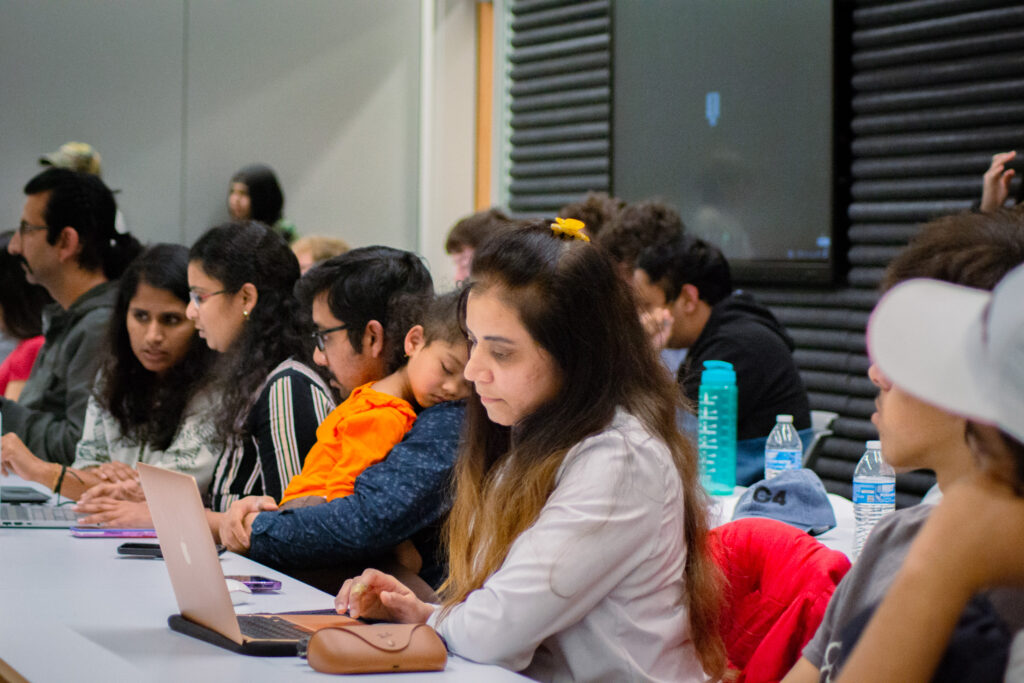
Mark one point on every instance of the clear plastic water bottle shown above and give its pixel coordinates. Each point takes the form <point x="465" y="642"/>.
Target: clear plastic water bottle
<point x="716" y="427"/>
<point x="783" y="450"/>
<point x="874" y="492"/>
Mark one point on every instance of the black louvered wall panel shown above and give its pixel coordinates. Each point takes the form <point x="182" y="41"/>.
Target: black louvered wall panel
<point x="936" y="87"/>
<point x="560" y="95"/>
<point x="928" y="91"/>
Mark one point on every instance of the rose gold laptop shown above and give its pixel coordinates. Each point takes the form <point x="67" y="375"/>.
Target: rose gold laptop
<point x="198" y="580"/>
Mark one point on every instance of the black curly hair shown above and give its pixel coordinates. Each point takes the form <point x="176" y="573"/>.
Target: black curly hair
<point x="241" y="252"/>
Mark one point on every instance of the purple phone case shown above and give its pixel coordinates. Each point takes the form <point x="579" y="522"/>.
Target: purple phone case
<point x="102" y="532"/>
<point x="262" y="586"/>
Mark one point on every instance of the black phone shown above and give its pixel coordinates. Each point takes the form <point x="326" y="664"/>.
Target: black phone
<point x="22" y="494"/>
<point x="148" y="549"/>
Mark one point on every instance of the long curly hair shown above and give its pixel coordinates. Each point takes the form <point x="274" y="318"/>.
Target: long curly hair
<point x="572" y="303"/>
<point x="149" y="408"/>
<point x="241" y="252"/>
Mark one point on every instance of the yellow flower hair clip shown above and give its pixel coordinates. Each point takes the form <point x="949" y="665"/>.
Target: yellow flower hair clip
<point x="571" y="228"/>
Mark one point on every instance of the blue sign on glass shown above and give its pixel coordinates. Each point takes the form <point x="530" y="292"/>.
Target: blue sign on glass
<point x="713" y="107"/>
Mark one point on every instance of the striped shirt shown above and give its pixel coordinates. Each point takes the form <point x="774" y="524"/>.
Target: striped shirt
<point x="279" y="431"/>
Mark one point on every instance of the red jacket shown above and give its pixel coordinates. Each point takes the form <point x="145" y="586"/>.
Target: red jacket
<point x="778" y="583"/>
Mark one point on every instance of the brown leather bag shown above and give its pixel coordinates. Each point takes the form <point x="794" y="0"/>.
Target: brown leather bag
<point x="376" y="648"/>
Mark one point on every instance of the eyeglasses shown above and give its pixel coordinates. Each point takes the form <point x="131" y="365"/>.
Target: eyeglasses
<point x="321" y="336"/>
<point x="24" y="228"/>
<point x="198" y="298"/>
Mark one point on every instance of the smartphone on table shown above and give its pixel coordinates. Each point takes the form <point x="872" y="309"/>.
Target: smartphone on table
<point x="257" y="584"/>
<point x="22" y="494"/>
<point x="148" y="550"/>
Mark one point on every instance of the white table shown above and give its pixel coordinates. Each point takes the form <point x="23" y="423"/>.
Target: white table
<point x="74" y="610"/>
<point x="840" y="538"/>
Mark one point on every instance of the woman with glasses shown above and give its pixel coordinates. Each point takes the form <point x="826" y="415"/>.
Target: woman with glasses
<point x="240" y="279"/>
<point x="151" y="402"/>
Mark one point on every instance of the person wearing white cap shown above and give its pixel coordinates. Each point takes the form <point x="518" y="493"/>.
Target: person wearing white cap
<point x="961" y="349"/>
<point x="77" y="156"/>
<point x="970" y="249"/>
<point x="84" y="158"/>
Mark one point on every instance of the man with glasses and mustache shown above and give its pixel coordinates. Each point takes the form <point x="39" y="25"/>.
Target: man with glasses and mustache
<point x="67" y="243"/>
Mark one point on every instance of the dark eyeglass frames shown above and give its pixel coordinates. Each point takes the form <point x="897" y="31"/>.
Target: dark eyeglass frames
<point x="24" y="229"/>
<point x="320" y="336"/>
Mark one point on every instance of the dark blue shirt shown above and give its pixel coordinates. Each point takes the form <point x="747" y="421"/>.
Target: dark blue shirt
<point x="393" y="500"/>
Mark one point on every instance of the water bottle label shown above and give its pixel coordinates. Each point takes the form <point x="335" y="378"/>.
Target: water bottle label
<point x="877" y="493"/>
<point x="783" y="460"/>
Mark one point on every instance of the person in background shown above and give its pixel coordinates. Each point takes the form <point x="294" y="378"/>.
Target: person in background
<point x="68" y="244"/>
<point x="636" y="227"/>
<point x="314" y="249"/>
<point x="255" y="195"/>
<point x="21" y="309"/>
<point x="596" y="210"/>
<point x="354" y="299"/>
<point x="995" y="184"/>
<point x="240" y="278"/>
<point x="469" y="233"/>
<point x="151" y="403"/>
<point x="969" y="249"/>
<point x="578" y="517"/>
<point x="936" y="621"/>
<point x="76" y="156"/>
<point x="690" y="279"/>
<point x="81" y="157"/>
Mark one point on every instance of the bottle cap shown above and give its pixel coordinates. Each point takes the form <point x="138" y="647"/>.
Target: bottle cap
<point x="718" y="372"/>
<point x="784" y="418"/>
<point x="873" y="445"/>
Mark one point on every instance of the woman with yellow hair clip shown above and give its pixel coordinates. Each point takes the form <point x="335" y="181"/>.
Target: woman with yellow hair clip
<point x="577" y="539"/>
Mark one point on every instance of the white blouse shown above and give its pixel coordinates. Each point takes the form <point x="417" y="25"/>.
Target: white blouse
<point x="189" y="451"/>
<point x="593" y="591"/>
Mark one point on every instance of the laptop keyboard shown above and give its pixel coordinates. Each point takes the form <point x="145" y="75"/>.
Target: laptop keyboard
<point x="36" y="513"/>
<point x="269" y="628"/>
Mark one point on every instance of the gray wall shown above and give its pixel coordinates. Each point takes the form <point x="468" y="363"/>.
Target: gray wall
<point x="178" y="94"/>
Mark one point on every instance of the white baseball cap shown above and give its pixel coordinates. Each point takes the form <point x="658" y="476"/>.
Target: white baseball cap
<point x="959" y="348"/>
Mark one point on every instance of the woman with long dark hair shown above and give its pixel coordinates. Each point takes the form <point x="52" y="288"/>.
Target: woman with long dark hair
<point x="151" y="402"/>
<point x="241" y="277"/>
<point x="577" y="539"/>
<point x="21" y="318"/>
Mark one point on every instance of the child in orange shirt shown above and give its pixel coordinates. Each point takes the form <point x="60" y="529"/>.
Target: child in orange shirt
<point x="367" y="425"/>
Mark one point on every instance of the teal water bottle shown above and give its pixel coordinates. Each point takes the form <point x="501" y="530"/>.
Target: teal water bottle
<point x="716" y="427"/>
